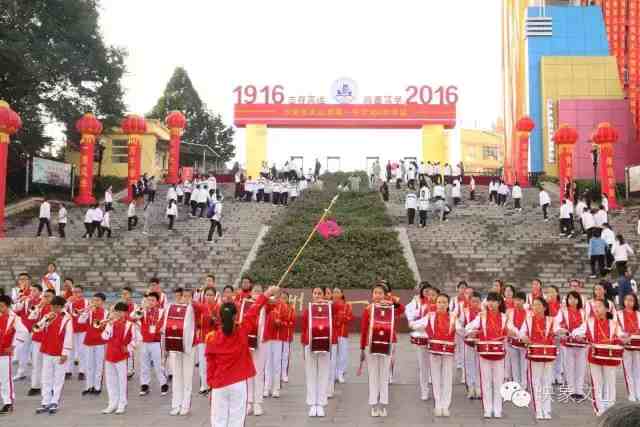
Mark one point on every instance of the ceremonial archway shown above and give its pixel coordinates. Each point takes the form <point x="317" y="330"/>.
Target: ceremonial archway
<point x="257" y="118"/>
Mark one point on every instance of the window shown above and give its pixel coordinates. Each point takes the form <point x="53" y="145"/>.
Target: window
<point x="489" y="153"/>
<point x="470" y="153"/>
<point x="119" y="150"/>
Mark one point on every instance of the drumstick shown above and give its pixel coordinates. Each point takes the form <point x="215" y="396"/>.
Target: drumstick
<point x="360" y="368"/>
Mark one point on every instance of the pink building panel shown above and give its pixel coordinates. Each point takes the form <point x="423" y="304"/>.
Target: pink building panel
<point x="584" y="115"/>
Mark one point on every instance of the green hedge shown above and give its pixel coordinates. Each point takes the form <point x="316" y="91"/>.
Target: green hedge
<point x="368" y="249"/>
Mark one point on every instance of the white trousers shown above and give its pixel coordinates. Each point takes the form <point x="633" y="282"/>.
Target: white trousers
<point x="603" y="383"/>
<point x="116" y="376"/>
<point x="379" y="368"/>
<point x="575" y="366"/>
<point x="442" y="379"/>
<point x="558" y="364"/>
<point x="230" y="403"/>
<point x="202" y="366"/>
<point x="52" y="379"/>
<point x="273" y="369"/>
<point x="316" y="367"/>
<point x="286" y="353"/>
<point x="256" y="384"/>
<point x="151" y="353"/>
<point x="23" y="352"/>
<point x="36" y="365"/>
<point x="95" y="365"/>
<point x="333" y="364"/>
<point x="459" y="351"/>
<point x="491" y="379"/>
<point x="471" y="367"/>
<point x="517" y="358"/>
<point x="343" y="357"/>
<point x="7" y="392"/>
<point x="541" y="379"/>
<point x="182" y="365"/>
<point x="631" y="366"/>
<point x="424" y="373"/>
<point x="78" y="352"/>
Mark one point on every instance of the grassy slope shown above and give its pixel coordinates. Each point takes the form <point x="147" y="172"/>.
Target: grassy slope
<point x="368" y="249"/>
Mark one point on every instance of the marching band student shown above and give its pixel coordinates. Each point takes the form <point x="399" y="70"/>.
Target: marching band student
<point x="601" y="330"/>
<point x="94" y="344"/>
<point x="285" y="335"/>
<point x="491" y="326"/>
<point x="316" y="362"/>
<point x="456" y="306"/>
<point x="42" y="309"/>
<point x="229" y="363"/>
<point x="539" y="329"/>
<point x="629" y="319"/>
<point x="245" y="291"/>
<point x="76" y="305"/>
<point x="423" y="205"/>
<point x="127" y="298"/>
<point x="51" y="280"/>
<point x="56" y="346"/>
<point x="268" y="189"/>
<point x="118" y="335"/>
<point x="150" y="324"/>
<point x="11" y="331"/>
<point x="275" y="191"/>
<point x="410" y="205"/>
<point x="343" y="336"/>
<point x="194" y="199"/>
<point x="468" y="315"/>
<point x="509" y="293"/>
<point x="378" y="365"/>
<point x="25" y="298"/>
<point x="207" y="322"/>
<point x="154" y="286"/>
<point x="259" y="351"/>
<point x="599" y="294"/>
<point x="441" y="328"/>
<point x="554" y="302"/>
<point x="577" y="286"/>
<point x="276" y="322"/>
<point x="516" y="351"/>
<point x="536" y="292"/>
<point x="414" y="311"/>
<point x="336" y="317"/>
<point x="572" y="317"/>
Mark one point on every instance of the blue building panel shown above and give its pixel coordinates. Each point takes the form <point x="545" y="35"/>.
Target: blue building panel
<point x="577" y="31"/>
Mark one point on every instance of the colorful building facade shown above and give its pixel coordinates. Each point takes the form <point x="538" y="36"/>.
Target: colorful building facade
<point x="481" y="151"/>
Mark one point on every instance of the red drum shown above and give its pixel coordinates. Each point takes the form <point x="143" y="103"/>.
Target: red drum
<point x="253" y="334"/>
<point x="320" y="327"/>
<point x="381" y="329"/>
<point x="542" y="352"/>
<point x="447" y="348"/>
<point x="633" y="344"/>
<point x="422" y="341"/>
<point x="175" y="328"/>
<point x="491" y="349"/>
<point x="607" y="353"/>
<point x="573" y="342"/>
<point x="515" y="342"/>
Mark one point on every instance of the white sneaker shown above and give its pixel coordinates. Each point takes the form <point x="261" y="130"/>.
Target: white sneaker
<point x="183" y="411"/>
<point x="445" y="412"/>
<point x="341" y="379"/>
<point x="174" y="411"/>
<point x="320" y="411"/>
<point x="312" y="411"/>
<point x="108" y="410"/>
<point x="497" y="415"/>
<point x="424" y="397"/>
<point x="374" y="411"/>
<point x="265" y="394"/>
<point x="383" y="411"/>
<point x="121" y="410"/>
<point x="249" y="408"/>
<point x="257" y="409"/>
<point x="437" y="412"/>
<point x="547" y="416"/>
<point x="470" y="393"/>
<point x="275" y="393"/>
<point x="478" y="392"/>
<point x="487" y="414"/>
<point x="285" y="379"/>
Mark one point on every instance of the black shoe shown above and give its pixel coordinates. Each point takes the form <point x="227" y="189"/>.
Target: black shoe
<point x="203" y="392"/>
<point x="33" y="392"/>
<point x="164" y="389"/>
<point x="68" y="376"/>
<point x="42" y="409"/>
<point x="53" y="409"/>
<point x="96" y="392"/>
<point x="131" y="374"/>
<point x="170" y="378"/>
<point x="6" y="409"/>
<point x="81" y="377"/>
<point x="144" y="390"/>
<point x="75" y="363"/>
<point x="88" y="391"/>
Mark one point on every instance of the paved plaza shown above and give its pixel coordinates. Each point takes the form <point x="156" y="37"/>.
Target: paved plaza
<point x="347" y="408"/>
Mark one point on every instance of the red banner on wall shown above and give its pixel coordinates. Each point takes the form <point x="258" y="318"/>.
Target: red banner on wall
<point x="394" y="116"/>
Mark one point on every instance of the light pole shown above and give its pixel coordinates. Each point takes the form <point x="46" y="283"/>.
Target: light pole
<point x="594" y="160"/>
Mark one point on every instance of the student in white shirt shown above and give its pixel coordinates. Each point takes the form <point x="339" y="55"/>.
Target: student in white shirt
<point x="108" y="199"/>
<point x="545" y="202"/>
<point x="180" y="192"/>
<point x="268" y="189"/>
<point x="215" y="221"/>
<point x="493" y="191"/>
<point x="516" y="193"/>
<point x="503" y="193"/>
<point x="293" y="192"/>
<point x="601" y="217"/>
<point x="410" y="205"/>
<point x="187" y="187"/>
<point x="203" y="196"/>
<point x="438" y="191"/>
<point x="132" y="218"/>
<point x="610" y="238"/>
<point x="456" y="192"/>
<point x="621" y="251"/>
<point x="172" y="212"/>
<point x="212" y="183"/>
<point x="172" y="193"/>
<point x="45" y="217"/>
<point x="62" y="221"/>
<point x="565" y="219"/>
<point x="472" y="186"/>
<point x="588" y="223"/>
<point x="580" y="207"/>
<point x="105" y="225"/>
<point x="605" y="202"/>
<point x="88" y="222"/>
<point x="193" y="200"/>
<point x="423" y="205"/>
<point x="96" y="219"/>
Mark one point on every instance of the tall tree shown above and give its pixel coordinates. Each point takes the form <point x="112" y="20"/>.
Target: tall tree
<point x="203" y="126"/>
<point x="54" y="65"/>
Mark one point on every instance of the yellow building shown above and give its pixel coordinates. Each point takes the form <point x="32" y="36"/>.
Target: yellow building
<point x="154" y="156"/>
<point x="481" y="151"/>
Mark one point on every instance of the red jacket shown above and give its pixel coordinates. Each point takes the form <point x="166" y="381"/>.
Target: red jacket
<point x="94" y="335"/>
<point x="276" y="322"/>
<point x="228" y="357"/>
<point x="602" y="331"/>
<point x="347" y="317"/>
<point x="338" y="311"/>
<point x="76" y="306"/>
<point x="152" y="318"/>
<point x="118" y="336"/>
<point x="58" y="336"/>
<point x="207" y="320"/>
<point x="441" y="326"/>
<point x="365" y="323"/>
<point x="7" y="333"/>
<point x="39" y="336"/>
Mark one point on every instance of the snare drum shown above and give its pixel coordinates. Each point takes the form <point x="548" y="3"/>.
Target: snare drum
<point x="175" y="328"/>
<point x="417" y="340"/>
<point x="445" y="348"/>
<point x="492" y="350"/>
<point x="607" y="354"/>
<point x="576" y="342"/>
<point x="320" y="327"/>
<point x="633" y="344"/>
<point x="515" y="342"/>
<point x="542" y="352"/>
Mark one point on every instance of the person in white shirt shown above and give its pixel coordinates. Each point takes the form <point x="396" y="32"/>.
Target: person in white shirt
<point x="410" y="205"/>
<point x="411" y="177"/>
<point x="588" y="223"/>
<point x="610" y="238"/>
<point x="447" y="173"/>
<point x="62" y="221"/>
<point x="172" y="212"/>
<point x="605" y="202"/>
<point x="545" y="202"/>
<point x="503" y="193"/>
<point x="88" y="222"/>
<point x="172" y="193"/>
<point x="105" y="225"/>
<point x="52" y="280"/>
<point x="195" y="195"/>
<point x="132" y="218"/>
<point x="216" y="220"/>
<point x="203" y="196"/>
<point x="180" y="192"/>
<point x="580" y="207"/>
<point x="472" y="186"/>
<point x="108" y="199"/>
<point x="45" y="217"/>
<point x="456" y="192"/>
<point x="237" y="179"/>
<point x="438" y="191"/>
<point x="187" y="187"/>
<point x="268" y="189"/>
<point x="96" y="219"/>
<point x="516" y="193"/>
<point x="565" y="219"/>
<point x="493" y="191"/>
<point x="423" y="205"/>
<point x="293" y="191"/>
<point x="212" y="183"/>
<point x="601" y="217"/>
<point x="422" y="172"/>
<point x="621" y="252"/>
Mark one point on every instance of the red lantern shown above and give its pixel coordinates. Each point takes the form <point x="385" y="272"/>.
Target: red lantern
<point x="10" y="123"/>
<point x="176" y="122"/>
<point x="605" y="136"/>
<point x="565" y="138"/>
<point x="89" y="127"/>
<point x="565" y="135"/>
<point x="134" y="126"/>
<point x="524" y="126"/>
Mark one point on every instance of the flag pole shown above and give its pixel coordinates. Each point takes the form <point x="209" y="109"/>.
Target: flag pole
<point x="295" y="259"/>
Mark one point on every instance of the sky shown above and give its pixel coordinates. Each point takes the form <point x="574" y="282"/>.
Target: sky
<point x="304" y="46"/>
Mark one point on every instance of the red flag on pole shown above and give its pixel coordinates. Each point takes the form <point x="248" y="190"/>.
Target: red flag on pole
<point x="329" y="228"/>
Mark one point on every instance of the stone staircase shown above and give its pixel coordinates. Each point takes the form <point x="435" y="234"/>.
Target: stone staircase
<point x="181" y="257"/>
<point x="481" y="242"/>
